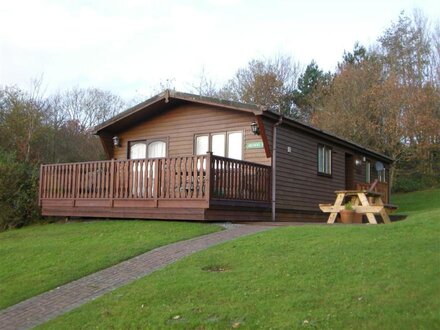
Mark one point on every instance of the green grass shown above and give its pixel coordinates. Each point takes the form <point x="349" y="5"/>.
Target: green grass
<point x="417" y="201"/>
<point x="334" y="277"/>
<point x="39" y="258"/>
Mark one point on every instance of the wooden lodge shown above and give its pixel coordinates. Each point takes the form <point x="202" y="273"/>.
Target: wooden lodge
<point x="187" y="157"/>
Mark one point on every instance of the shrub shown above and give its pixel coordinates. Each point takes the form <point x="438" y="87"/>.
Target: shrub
<point x="414" y="182"/>
<point x="18" y="192"/>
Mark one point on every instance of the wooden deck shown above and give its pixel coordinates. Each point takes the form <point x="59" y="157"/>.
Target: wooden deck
<point x="203" y="187"/>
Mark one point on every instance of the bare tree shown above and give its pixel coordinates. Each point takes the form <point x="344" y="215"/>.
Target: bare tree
<point x="406" y="49"/>
<point x="70" y="115"/>
<point x="88" y="107"/>
<point x="268" y="82"/>
<point x="205" y="86"/>
<point x="435" y="72"/>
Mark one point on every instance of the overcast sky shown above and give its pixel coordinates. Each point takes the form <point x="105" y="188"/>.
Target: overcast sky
<point x="131" y="46"/>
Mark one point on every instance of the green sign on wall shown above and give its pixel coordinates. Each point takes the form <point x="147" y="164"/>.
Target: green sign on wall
<point x="254" y="145"/>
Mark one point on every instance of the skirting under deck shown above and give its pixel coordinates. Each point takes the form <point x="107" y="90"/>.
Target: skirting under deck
<point x="160" y="210"/>
<point x="216" y="210"/>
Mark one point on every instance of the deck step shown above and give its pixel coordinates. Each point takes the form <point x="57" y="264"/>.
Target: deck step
<point x="390" y="208"/>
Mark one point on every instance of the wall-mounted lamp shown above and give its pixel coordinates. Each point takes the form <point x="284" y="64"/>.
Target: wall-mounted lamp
<point x="358" y="162"/>
<point x="255" y="129"/>
<point x="116" y="141"/>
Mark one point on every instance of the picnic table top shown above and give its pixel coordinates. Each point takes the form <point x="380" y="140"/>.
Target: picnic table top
<point x="355" y="192"/>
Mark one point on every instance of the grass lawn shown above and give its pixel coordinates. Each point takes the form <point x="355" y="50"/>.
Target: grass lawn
<point x="373" y="277"/>
<point x="412" y="203"/>
<point x="39" y="258"/>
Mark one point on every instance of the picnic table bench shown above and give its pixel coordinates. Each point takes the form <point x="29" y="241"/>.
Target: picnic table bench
<point x="363" y="201"/>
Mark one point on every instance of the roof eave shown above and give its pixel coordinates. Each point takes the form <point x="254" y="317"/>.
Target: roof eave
<point x="168" y="94"/>
<point x="316" y="131"/>
<point x="162" y="96"/>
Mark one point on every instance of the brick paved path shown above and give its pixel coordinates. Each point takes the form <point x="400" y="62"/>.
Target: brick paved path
<point x="48" y="305"/>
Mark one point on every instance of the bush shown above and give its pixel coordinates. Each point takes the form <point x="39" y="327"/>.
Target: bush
<point x="415" y="182"/>
<point x="18" y="192"/>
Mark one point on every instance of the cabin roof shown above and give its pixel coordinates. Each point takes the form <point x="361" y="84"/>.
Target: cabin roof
<point x="164" y="101"/>
<point x="169" y="99"/>
<point x="329" y="136"/>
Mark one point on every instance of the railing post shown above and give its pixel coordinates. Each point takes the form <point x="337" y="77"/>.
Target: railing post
<point x="74" y="182"/>
<point x="112" y="181"/>
<point x="269" y="184"/>
<point x="156" y="179"/>
<point x="209" y="178"/>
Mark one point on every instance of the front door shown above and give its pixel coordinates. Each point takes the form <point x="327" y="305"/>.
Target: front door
<point x="349" y="172"/>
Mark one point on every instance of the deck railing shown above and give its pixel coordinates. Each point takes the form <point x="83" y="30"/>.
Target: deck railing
<point x="380" y="187"/>
<point x="236" y="179"/>
<point x="201" y="177"/>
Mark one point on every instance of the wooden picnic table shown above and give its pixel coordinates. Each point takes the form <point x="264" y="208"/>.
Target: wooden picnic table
<point x="363" y="201"/>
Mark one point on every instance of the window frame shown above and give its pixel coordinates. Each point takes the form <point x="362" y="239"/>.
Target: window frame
<point x="330" y="149"/>
<point x="131" y="142"/>
<point x="195" y="143"/>
<point x="226" y="134"/>
<point x="147" y="142"/>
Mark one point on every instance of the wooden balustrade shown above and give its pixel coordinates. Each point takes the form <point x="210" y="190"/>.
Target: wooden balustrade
<point x="240" y="180"/>
<point x="177" y="178"/>
<point x="381" y="187"/>
<point x="161" y="178"/>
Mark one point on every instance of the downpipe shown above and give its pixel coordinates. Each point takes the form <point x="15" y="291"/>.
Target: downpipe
<point x="274" y="159"/>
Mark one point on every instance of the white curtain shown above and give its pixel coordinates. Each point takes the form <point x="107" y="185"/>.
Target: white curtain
<point x="138" y="150"/>
<point x="157" y="149"/>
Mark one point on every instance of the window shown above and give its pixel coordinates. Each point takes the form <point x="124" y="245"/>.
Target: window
<point x="235" y="145"/>
<point x="367" y="172"/>
<point x="147" y="149"/>
<point x="138" y="150"/>
<point x="381" y="171"/>
<point x="221" y="144"/>
<point x="202" y="144"/>
<point x="218" y="144"/>
<point x="324" y="160"/>
<point x="157" y="149"/>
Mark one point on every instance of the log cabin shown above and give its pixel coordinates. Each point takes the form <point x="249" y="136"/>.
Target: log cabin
<point x="181" y="156"/>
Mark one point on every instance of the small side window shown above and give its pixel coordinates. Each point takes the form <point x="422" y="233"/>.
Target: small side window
<point x="324" y="160"/>
<point x="367" y="172"/>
